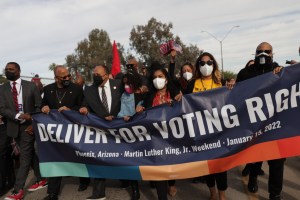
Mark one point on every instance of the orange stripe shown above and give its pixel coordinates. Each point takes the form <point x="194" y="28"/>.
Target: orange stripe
<point x="289" y="147"/>
<point x="265" y="151"/>
<point x="178" y="171"/>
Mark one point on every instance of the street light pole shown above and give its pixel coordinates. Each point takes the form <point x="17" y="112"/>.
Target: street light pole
<point x="221" y="44"/>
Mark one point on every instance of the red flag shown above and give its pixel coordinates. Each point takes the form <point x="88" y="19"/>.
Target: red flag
<point x="116" y="65"/>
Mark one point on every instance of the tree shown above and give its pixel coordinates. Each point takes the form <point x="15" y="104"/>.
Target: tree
<point x="229" y="75"/>
<point x="52" y="66"/>
<point x="146" y="40"/>
<point x="92" y="51"/>
<point x="3" y="80"/>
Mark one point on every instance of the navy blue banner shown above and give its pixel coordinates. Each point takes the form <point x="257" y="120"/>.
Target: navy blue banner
<point x="215" y="125"/>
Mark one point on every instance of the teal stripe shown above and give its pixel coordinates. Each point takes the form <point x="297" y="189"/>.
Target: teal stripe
<point x="50" y="169"/>
<point x="113" y="172"/>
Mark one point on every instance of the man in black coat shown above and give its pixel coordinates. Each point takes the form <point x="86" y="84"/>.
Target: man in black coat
<point x="263" y="64"/>
<point x="102" y="99"/>
<point x="61" y="95"/>
<point x="19" y="99"/>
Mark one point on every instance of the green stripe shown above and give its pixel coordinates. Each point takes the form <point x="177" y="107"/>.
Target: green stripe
<point x="50" y="169"/>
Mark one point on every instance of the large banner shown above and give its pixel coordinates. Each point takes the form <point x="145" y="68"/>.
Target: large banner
<point x="204" y="133"/>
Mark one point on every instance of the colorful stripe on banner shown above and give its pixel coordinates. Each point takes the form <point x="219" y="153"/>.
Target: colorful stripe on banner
<point x="264" y="151"/>
<point x="52" y="169"/>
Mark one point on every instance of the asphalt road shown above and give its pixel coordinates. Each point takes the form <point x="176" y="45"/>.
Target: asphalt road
<point x="187" y="190"/>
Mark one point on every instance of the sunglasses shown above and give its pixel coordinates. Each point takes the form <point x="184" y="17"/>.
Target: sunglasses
<point x="209" y="62"/>
<point x="263" y="51"/>
<point x="129" y="65"/>
<point x="64" y="77"/>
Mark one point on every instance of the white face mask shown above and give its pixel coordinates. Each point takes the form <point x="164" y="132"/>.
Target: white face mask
<point x="206" y="70"/>
<point x="159" y="83"/>
<point x="187" y="75"/>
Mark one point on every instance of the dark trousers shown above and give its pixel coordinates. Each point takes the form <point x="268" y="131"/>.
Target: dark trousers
<point x="54" y="185"/>
<point x="219" y="178"/>
<point x="36" y="168"/>
<point x="25" y="142"/>
<point x="99" y="187"/>
<point x="84" y="181"/>
<point x="276" y="169"/>
<point x="171" y="182"/>
<point x="162" y="189"/>
<point x="254" y="168"/>
<point x="7" y="173"/>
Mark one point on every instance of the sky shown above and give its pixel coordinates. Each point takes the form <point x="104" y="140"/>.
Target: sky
<point x="36" y="33"/>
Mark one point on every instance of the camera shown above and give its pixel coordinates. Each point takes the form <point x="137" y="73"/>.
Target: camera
<point x="288" y="62"/>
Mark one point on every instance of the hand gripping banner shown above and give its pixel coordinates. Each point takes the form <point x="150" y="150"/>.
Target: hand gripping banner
<point x="204" y="133"/>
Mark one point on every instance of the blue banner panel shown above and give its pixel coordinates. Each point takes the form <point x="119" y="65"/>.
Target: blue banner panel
<point x="204" y="133"/>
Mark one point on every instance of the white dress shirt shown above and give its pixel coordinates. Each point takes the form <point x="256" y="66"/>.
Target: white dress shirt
<point x="20" y="97"/>
<point x="107" y="92"/>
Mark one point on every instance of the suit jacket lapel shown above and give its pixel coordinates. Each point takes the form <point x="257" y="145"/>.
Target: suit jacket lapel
<point x="25" y="92"/>
<point x="113" y="96"/>
<point x="96" y="98"/>
<point x="9" y="95"/>
<point x="95" y="94"/>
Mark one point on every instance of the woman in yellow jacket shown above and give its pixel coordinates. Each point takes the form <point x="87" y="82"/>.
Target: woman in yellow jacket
<point x="208" y="77"/>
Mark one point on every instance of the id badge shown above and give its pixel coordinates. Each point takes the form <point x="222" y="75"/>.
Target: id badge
<point x="20" y="108"/>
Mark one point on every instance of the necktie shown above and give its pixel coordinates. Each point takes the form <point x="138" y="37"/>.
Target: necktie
<point x="15" y="96"/>
<point x="104" y="99"/>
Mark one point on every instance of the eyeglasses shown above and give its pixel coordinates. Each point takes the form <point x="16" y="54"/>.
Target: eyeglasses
<point x="202" y="63"/>
<point x="263" y="51"/>
<point x="64" y="77"/>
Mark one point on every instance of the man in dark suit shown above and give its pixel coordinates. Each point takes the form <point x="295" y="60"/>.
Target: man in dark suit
<point x="61" y="95"/>
<point x="19" y="99"/>
<point x="103" y="99"/>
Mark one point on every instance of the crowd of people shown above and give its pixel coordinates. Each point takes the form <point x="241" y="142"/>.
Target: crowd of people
<point x="135" y="92"/>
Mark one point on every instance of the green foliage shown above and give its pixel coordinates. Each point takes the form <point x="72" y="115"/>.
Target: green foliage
<point x="145" y="40"/>
<point x="2" y="79"/>
<point x="121" y="51"/>
<point x="92" y="51"/>
<point x="52" y="66"/>
<point x="229" y="75"/>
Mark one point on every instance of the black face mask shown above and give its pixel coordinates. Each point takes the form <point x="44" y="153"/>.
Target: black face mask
<point x="98" y="80"/>
<point x="264" y="63"/>
<point x="65" y="83"/>
<point x="10" y="76"/>
<point x="263" y="60"/>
